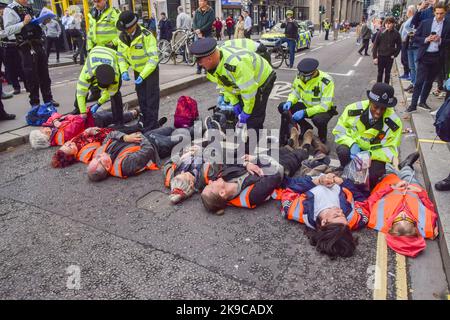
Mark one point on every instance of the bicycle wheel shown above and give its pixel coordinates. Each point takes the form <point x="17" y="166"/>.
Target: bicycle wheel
<point x="190" y="59"/>
<point x="287" y="58"/>
<point x="276" y="57"/>
<point x="164" y="51"/>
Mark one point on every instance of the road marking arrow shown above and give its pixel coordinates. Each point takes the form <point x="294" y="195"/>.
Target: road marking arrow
<point x="281" y="90"/>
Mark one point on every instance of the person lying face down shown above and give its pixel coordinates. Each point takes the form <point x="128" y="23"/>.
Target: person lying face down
<point x="326" y="205"/>
<point x="123" y="155"/>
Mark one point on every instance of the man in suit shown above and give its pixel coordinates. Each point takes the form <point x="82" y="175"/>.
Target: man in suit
<point x="432" y="37"/>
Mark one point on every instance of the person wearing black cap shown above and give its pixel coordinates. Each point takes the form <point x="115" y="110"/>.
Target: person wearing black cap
<point x="311" y="98"/>
<point x="137" y="48"/>
<point x="246" y="78"/>
<point x="101" y="71"/>
<point x="370" y="125"/>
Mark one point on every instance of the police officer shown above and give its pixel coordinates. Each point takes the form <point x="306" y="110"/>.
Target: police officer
<point x="101" y="70"/>
<point x="370" y="125"/>
<point x="102" y="30"/>
<point x="326" y="27"/>
<point x="137" y="48"/>
<point x="246" y="78"/>
<point x="28" y="36"/>
<point x="248" y="44"/>
<point x="311" y="98"/>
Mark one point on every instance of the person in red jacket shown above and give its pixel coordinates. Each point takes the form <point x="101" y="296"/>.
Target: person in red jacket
<point x="399" y="207"/>
<point x="218" y="27"/>
<point x="230" y="24"/>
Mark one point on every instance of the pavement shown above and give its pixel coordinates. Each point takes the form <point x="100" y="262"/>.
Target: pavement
<point x="63" y="237"/>
<point x="435" y="155"/>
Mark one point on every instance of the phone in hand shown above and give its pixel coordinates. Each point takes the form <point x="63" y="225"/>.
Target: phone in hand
<point x="433" y="33"/>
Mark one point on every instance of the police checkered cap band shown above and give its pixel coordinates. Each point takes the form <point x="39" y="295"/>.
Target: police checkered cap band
<point x="374" y="96"/>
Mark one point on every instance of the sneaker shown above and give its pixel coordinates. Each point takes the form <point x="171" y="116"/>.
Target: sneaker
<point x="162" y="121"/>
<point x="367" y="54"/>
<point x="443" y="185"/>
<point x="409" y="160"/>
<point x="411" y="90"/>
<point x="360" y="53"/>
<point x="442" y="94"/>
<point x="433" y="113"/>
<point x="199" y="71"/>
<point x="436" y="92"/>
<point x="409" y="87"/>
<point x="56" y="104"/>
<point x="424" y="106"/>
<point x="404" y="77"/>
<point x="7" y="116"/>
<point x="411" y="109"/>
<point x="6" y="95"/>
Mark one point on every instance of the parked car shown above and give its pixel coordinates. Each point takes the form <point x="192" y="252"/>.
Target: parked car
<point x="277" y="32"/>
<point x="310" y="26"/>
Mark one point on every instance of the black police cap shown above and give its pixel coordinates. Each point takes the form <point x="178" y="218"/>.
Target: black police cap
<point x="126" y="20"/>
<point x="105" y="75"/>
<point x="307" y="65"/>
<point x="203" y="47"/>
<point x="382" y="94"/>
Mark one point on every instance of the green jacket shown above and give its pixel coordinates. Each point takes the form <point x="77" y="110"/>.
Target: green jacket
<point x="102" y="31"/>
<point x="317" y="94"/>
<point x="240" y="73"/>
<point x="141" y="52"/>
<point x="204" y="21"/>
<point x="382" y="139"/>
<point x="98" y="56"/>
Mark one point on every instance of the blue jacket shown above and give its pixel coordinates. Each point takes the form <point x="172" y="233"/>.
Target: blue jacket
<point x="424" y="31"/>
<point x="420" y="16"/>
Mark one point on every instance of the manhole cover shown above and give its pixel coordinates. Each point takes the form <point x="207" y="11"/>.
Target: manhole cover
<point x="155" y="201"/>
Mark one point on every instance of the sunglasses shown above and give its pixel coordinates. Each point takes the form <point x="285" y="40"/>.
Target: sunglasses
<point x="398" y="219"/>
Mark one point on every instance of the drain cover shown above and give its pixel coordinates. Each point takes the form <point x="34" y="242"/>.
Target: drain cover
<point x="155" y="201"/>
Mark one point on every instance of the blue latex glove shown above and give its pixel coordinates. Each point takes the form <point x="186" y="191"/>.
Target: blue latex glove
<point x="287" y="105"/>
<point x="138" y="80"/>
<point x="354" y="150"/>
<point x="243" y="117"/>
<point x="94" y="108"/>
<point x="220" y="100"/>
<point x="299" y="115"/>
<point x="447" y="84"/>
<point x="238" y="110"/>
<point x="126" y="76"/>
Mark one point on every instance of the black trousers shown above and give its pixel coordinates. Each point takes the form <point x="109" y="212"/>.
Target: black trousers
<point x="365" y="46"/>
<point x="319" y="120"/>
<point x="161" y="138"/>
<point x="148" y="98"/>
<point x="258" y="116"/>
<point x="291" y="160"/>
<point x="384" y="66"/>
<point x="377" y="168"/>
<point x="327" y="32"/>
<point x="428" y="69"/>
<point x="69" y="39"/>
<point x="80" y="48"/>
<point x="404" y="57"/>
<point x="35" y="68"/>
<point x="13" y="67"/>
<point x="103" y="119"/>
<point x="53" y="42"/>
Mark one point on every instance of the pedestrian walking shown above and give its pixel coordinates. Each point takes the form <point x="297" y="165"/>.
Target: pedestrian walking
<point x="230" y="24"/>
<point x="358" y="34"/>
<point x="336" y="28"/>
<point x="239" y="32"/>
<point x="247" y="25"/>
<point x="218" y="28"/>
<point x="64" y="21"/>
<point x="165" y="28"/>
<point x="412" y="49"/>
<point x="77" y="36"/>
<point x="184" y="21"/>
<point x="203" y="21"/>
<point x="52" y="31"/>
<point x="366" y="35"/>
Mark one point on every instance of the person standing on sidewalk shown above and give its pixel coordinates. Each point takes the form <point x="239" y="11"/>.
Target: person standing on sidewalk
<point x="247" y="25"/>
<point x="239" y="32"/>
<point x="218" y="28"/>
<point x="64" y="20"/>
<point x="137" y="48"/>
<point x="52" y="32"/>
<point x="386" y="47"/>
<point x="326" y="26"/>
<point x="336" y="28"/>
<point x="290" y="35"/>
<point x="203" y="21"/>
<point x="366" y="35"/>
<point x="165" y="28"/>
<point x="184" y="21"/>
<point x="230" y="23"/>
<point x="408" y="33"/>
<point x="405" y="44"/>
<point x="77" y="36"/>
<point x="432" y="37"/>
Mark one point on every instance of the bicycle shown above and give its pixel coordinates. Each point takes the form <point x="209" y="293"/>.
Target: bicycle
<point x="278" y="54"/>
<point x="178" y="48"/>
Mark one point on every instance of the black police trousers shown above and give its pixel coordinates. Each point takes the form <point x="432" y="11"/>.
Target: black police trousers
<point x="148" y="99"/>
<point x="320" y="120"/>
<point x="377" y="168"/>
<point x="35" y="69"/>
<point x="13" y="66"/>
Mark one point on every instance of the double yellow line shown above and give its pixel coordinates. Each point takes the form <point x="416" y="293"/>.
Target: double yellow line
<point x="380" y="285"/>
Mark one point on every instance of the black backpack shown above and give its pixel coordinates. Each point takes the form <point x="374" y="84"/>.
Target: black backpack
<point x="442" y="122"/>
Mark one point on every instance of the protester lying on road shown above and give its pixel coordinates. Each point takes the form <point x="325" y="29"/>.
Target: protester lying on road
<point x="325" y="204"/>
<point x="399" y="207"/>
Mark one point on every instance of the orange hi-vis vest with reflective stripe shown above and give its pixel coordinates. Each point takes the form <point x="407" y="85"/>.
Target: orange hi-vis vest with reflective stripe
<point x="86" y="153"/>
<point x="296" y="210"/>
<point x="59" y="136"/>
<point x="383" y="209"/>
<point x="243" y="199"/>
<point x="170" y="174"/>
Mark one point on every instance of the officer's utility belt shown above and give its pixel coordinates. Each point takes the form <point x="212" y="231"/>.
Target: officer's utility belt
<point x="8" y="44"/>
<point x="31" y="43"/>
<point x="269" y="81"/>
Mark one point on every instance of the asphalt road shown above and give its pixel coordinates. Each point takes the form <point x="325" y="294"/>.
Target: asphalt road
<point x="63" y="237"/>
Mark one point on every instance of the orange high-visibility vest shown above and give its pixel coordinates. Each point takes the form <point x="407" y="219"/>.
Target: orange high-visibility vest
<point x="383" y="209"/>
<point x="59" y="136"/>
<point x="169" y="174"/>
<point x="243" y="199"/>
<point x="116" y="169"/>
<point x="86" y="153"/>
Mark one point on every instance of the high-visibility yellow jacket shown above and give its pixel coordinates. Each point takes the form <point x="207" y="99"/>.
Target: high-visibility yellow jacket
<point x="240" y="73"/>
<point x="326" y="25"/>
<point x="381" y="139"/>
<point x="98" y="56"/>
<point x="102" y="31"/>
<point x="317" y="94"/>
<point x="244" y="43"/>
<point x="141" y="53"/>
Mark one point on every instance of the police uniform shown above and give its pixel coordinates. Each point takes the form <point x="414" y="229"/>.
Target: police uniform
<point x="315" y="97"/>
<point x="380" y="137"/>
<point x="90" y="77"/>
<point x="30" y="45"/>
<point x="245" y="77"/>
<point x="248" y="44"/>
<point x="140" y="51"/>
<point x="326" y="27"/>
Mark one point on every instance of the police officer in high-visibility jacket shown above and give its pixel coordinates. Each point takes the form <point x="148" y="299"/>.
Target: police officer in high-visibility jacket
<point x="370" y="125"/>
<point x="102" y="25"/>
<point x="137" y="48"/>
<point x="311" y="98"/>
<point x="101" y="70"/>
<point x="326" y="27"/>
<point x="246" y="77"/>
<point x="248" y="44"/>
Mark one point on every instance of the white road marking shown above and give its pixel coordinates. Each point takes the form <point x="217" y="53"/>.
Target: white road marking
<point x="348" y="74"/>
<point x="280" y="90"/>
<point x="331" y="43"/>
<point x="299" y="55"/>
<point x="357" y="62"/>
<point x="316" y="49"/>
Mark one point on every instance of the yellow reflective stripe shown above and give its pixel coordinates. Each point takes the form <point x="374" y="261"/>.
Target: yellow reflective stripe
<point x="84" y="84"/>
<point x="329" y="99"/>
<point x="295" y="93"/>
<point x="82" y="92"/>
<point x="387" y="151"/>
<point x="248" y="96"/>
<point x="137" y="65"/>
<point x="153" y="62"/>
<point x="261" y="69"/>
<point x="107" y="32"/>
<point x="138" y="57"/>
<point x="247" y="84"/>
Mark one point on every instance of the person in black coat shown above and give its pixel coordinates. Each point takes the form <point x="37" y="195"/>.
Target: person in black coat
<point x="165" y="28"/>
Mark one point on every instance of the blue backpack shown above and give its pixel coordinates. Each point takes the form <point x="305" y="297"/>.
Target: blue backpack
<point x="442" y="122"/>
<point x="38" y="115"/>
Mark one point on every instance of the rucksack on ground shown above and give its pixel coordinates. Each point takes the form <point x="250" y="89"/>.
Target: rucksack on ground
<point x="442" y="122"/>
<point x="39" y="114"/>
<point x="186" y="112"/>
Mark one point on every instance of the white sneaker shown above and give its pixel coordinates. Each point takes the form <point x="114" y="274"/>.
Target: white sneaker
<point x="433" y="113"/>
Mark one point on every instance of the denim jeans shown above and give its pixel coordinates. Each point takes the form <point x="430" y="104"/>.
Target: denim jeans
<point x="291" y="45"/>
<point x="412" y="61"/>
<point x="407" y="173"/>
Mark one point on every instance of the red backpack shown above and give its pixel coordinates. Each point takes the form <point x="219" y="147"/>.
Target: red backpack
<point x="186" y="112"/>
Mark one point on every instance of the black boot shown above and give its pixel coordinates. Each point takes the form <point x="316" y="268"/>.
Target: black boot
<point x="443" y="185"/>
<point x="409" y="161"/>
